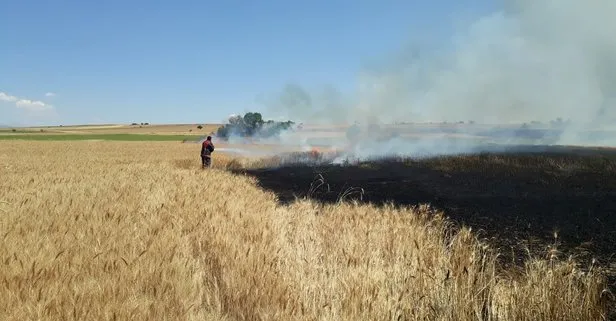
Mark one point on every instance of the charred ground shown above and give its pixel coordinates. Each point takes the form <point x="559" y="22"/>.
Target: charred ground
<point x="525" y="199"/>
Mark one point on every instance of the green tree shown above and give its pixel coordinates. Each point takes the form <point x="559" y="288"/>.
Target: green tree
<point x="253" y="122"/>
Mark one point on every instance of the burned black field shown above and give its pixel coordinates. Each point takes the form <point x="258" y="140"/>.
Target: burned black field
<point x="524" y="201"/>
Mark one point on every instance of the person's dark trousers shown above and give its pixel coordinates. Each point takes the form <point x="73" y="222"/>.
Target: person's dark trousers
<point x="206" y="161"/>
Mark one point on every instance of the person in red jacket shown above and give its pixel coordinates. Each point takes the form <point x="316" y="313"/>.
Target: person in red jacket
<point x="207" y="147"/>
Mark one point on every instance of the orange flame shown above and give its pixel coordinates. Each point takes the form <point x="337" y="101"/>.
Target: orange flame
<point x="314" y="151"/>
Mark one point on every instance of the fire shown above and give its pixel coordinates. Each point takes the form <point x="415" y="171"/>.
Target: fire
<point x="314" y="151"/>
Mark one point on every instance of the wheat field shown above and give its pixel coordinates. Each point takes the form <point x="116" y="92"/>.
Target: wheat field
<point x="137" y="231"/>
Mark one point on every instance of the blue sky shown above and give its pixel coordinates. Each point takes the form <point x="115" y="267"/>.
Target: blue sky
<point x="75" y="62"/>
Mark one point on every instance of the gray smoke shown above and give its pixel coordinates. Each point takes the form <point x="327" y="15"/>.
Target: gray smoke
<point x="532" y="61"/>
<point x="533" y="73"/>
<point x="324" y="105"/>
<point x="537" y="61"/>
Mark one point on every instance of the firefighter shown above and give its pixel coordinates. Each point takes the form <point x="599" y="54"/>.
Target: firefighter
<point x="207" y="147"/>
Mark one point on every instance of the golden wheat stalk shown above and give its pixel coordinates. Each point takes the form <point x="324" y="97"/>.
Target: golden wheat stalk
<point x="127" y="232"/>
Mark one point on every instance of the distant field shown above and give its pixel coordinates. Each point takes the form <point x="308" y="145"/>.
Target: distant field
<point x="320" y="135"/>
<point x="166" y="129"/>
<point x="110" y="137"/>
<point x="191" y="129"/>
<point x="111" y="132"/>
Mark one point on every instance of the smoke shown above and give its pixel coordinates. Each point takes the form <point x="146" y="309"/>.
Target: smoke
<point x="536" y="61"/>
<point x="324" y="105"/>
<point x="532" y="73"/>
<point x="532" y="61"/>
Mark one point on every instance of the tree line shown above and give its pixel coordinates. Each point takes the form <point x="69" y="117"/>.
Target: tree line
<point x="252" y="124"/>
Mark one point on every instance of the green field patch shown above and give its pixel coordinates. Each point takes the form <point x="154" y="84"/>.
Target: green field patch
<point x="107" y="137"/>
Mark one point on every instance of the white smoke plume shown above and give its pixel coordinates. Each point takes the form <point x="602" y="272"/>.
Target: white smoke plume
<point x="532" y="61"/>
<point x="534" y="72"/>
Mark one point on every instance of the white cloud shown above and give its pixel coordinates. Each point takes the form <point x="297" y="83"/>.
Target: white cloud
<point x="32" y="105"/>
<point x="26" y="104"/>
<point x="50" y="94"/>
<point x="7" y="97"/>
